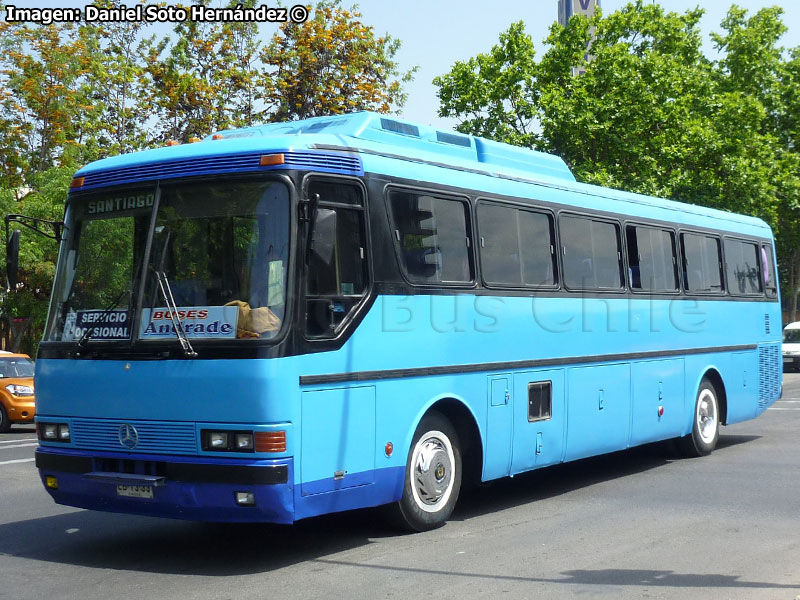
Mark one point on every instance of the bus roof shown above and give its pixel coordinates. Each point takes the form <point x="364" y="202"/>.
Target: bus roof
<point x="371" y="134"/>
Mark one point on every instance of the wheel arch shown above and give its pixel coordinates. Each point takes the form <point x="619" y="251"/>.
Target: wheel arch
<point x="456" y="410"/>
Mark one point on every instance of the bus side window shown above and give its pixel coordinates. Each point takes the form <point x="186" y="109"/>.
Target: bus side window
<point x="337" y="274"/>
<point x="768" y="271"/>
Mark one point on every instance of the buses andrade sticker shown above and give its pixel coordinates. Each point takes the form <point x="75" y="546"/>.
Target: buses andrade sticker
<point x="199" y="322"/>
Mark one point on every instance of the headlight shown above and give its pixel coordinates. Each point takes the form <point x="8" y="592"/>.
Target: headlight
<point x="53" y="432"/>
<point x="244" y="441"/>
<point x="227" y="441"/>
<point x="19" y="390"/>
<point x="50" y="431"/>
<point x="218" y="440"/>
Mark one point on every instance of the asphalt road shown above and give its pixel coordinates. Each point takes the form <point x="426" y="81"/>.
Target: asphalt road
<point x="636" y="524"/>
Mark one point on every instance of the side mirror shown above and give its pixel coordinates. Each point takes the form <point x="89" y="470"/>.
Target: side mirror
<point x="12" y="259"/>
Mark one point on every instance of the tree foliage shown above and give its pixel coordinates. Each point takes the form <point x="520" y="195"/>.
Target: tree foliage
<point x="330" y="64"/>
<point x="652" y="114"/>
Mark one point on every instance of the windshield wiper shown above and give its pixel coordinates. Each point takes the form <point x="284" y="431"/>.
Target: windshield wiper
<point x="169" y="300"/>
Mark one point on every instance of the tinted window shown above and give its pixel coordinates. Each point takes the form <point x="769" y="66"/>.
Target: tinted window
<point x="701" y="263"/>
<point x="432" y="237"/>
<point x="768" y="270"/>
<point x="741" y="267"/>
<point x="591" y="253"/>
<point x="516" y="246"/>
<point x="338" y="272"/>
<point x="651" y="259"/>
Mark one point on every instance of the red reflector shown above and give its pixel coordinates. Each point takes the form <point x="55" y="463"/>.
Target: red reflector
<point x="76" y="182"/>
<point x="389" y="448"/>
<point x="268" y="160"/>
<point x="270" y="441"/>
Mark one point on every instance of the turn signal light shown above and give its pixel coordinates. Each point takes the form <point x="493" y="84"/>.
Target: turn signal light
<point x="270" y="441"/>
<point x="173" y="143"/>
<point x="270" y="160"/>
<point x="76" y="182"/>
<point x="217" y="136"/>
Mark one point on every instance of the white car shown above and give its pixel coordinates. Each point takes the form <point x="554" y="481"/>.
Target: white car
<point x="791" y="346"/>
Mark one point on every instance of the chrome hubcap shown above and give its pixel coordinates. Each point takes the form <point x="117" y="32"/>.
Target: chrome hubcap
<point x="707" y="416"/>
<point x="432" y="471"/>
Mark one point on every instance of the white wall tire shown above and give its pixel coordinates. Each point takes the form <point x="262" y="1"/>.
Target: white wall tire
<point x="432" y="475"/>
<point x="705" y="422"/>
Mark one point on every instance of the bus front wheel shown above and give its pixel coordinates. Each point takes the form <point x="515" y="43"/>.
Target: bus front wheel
<point x="705" y="422"/>
<point x="433" y="476"/>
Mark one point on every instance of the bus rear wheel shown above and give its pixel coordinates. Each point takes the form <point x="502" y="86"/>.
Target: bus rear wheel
<point x="705" y="422"/>
<point x="433" y="476"/>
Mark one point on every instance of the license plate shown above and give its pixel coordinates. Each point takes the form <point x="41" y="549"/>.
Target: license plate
<point x="788" y="361"/>
<point x="135" y="491"/>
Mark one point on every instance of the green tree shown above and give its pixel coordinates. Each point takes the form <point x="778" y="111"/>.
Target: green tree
<point x="332" y="63"/>
<point x="495" y="95"/>
<point x="38" y="254"/>
<point x="42" y="67"/>
<point x="205" y="80"/>
<point x="113" y="86"/>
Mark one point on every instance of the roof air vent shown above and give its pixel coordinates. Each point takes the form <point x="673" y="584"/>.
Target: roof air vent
<point x="451" y="138"/>
<point x="398" y="127"/>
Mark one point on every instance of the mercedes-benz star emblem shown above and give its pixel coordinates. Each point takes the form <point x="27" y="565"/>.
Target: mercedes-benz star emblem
<point x="128" y="436"/>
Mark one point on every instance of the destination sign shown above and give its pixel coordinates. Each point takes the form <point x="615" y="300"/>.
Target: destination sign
<point x="102" y="325"/>
<point x="198" y="322"/>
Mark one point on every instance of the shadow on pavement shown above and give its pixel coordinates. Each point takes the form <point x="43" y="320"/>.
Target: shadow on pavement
<point x="144" y="544"/>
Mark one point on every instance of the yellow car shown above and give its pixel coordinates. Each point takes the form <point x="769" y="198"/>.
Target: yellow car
<point x="17" y="403"/>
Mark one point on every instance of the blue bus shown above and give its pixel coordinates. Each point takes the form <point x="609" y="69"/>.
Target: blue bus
<point x="352" y="311"/>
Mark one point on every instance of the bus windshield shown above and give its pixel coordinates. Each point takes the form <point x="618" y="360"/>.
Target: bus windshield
<point x="222" y="249"/>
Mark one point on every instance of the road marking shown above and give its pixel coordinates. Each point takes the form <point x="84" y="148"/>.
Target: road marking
<point x="18" y="441"/>
<point x="789" y="401"/>
<point x="781" y="408"/>
<point x="19" y="460"/>
<point x="19" y="446"/>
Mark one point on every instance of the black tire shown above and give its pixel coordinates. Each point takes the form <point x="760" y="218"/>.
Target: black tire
<point x="5" y="424"/>
<point x="430" y="491"/>
<point x="705" y="422"/>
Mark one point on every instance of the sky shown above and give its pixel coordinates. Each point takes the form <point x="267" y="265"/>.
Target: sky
<point x="437" y="33"/>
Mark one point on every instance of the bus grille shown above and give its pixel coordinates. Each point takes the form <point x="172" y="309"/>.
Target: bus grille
<point x="329" y="162"/>
<point x="769" y="374"/>
<point x="156" y="437"/>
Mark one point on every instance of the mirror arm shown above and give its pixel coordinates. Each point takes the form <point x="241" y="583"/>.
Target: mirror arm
<point x="33" y="224"/>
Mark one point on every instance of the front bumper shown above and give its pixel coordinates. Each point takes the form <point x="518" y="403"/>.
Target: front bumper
<point x="192" y="488"/>
<point x="20" y="409"/>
